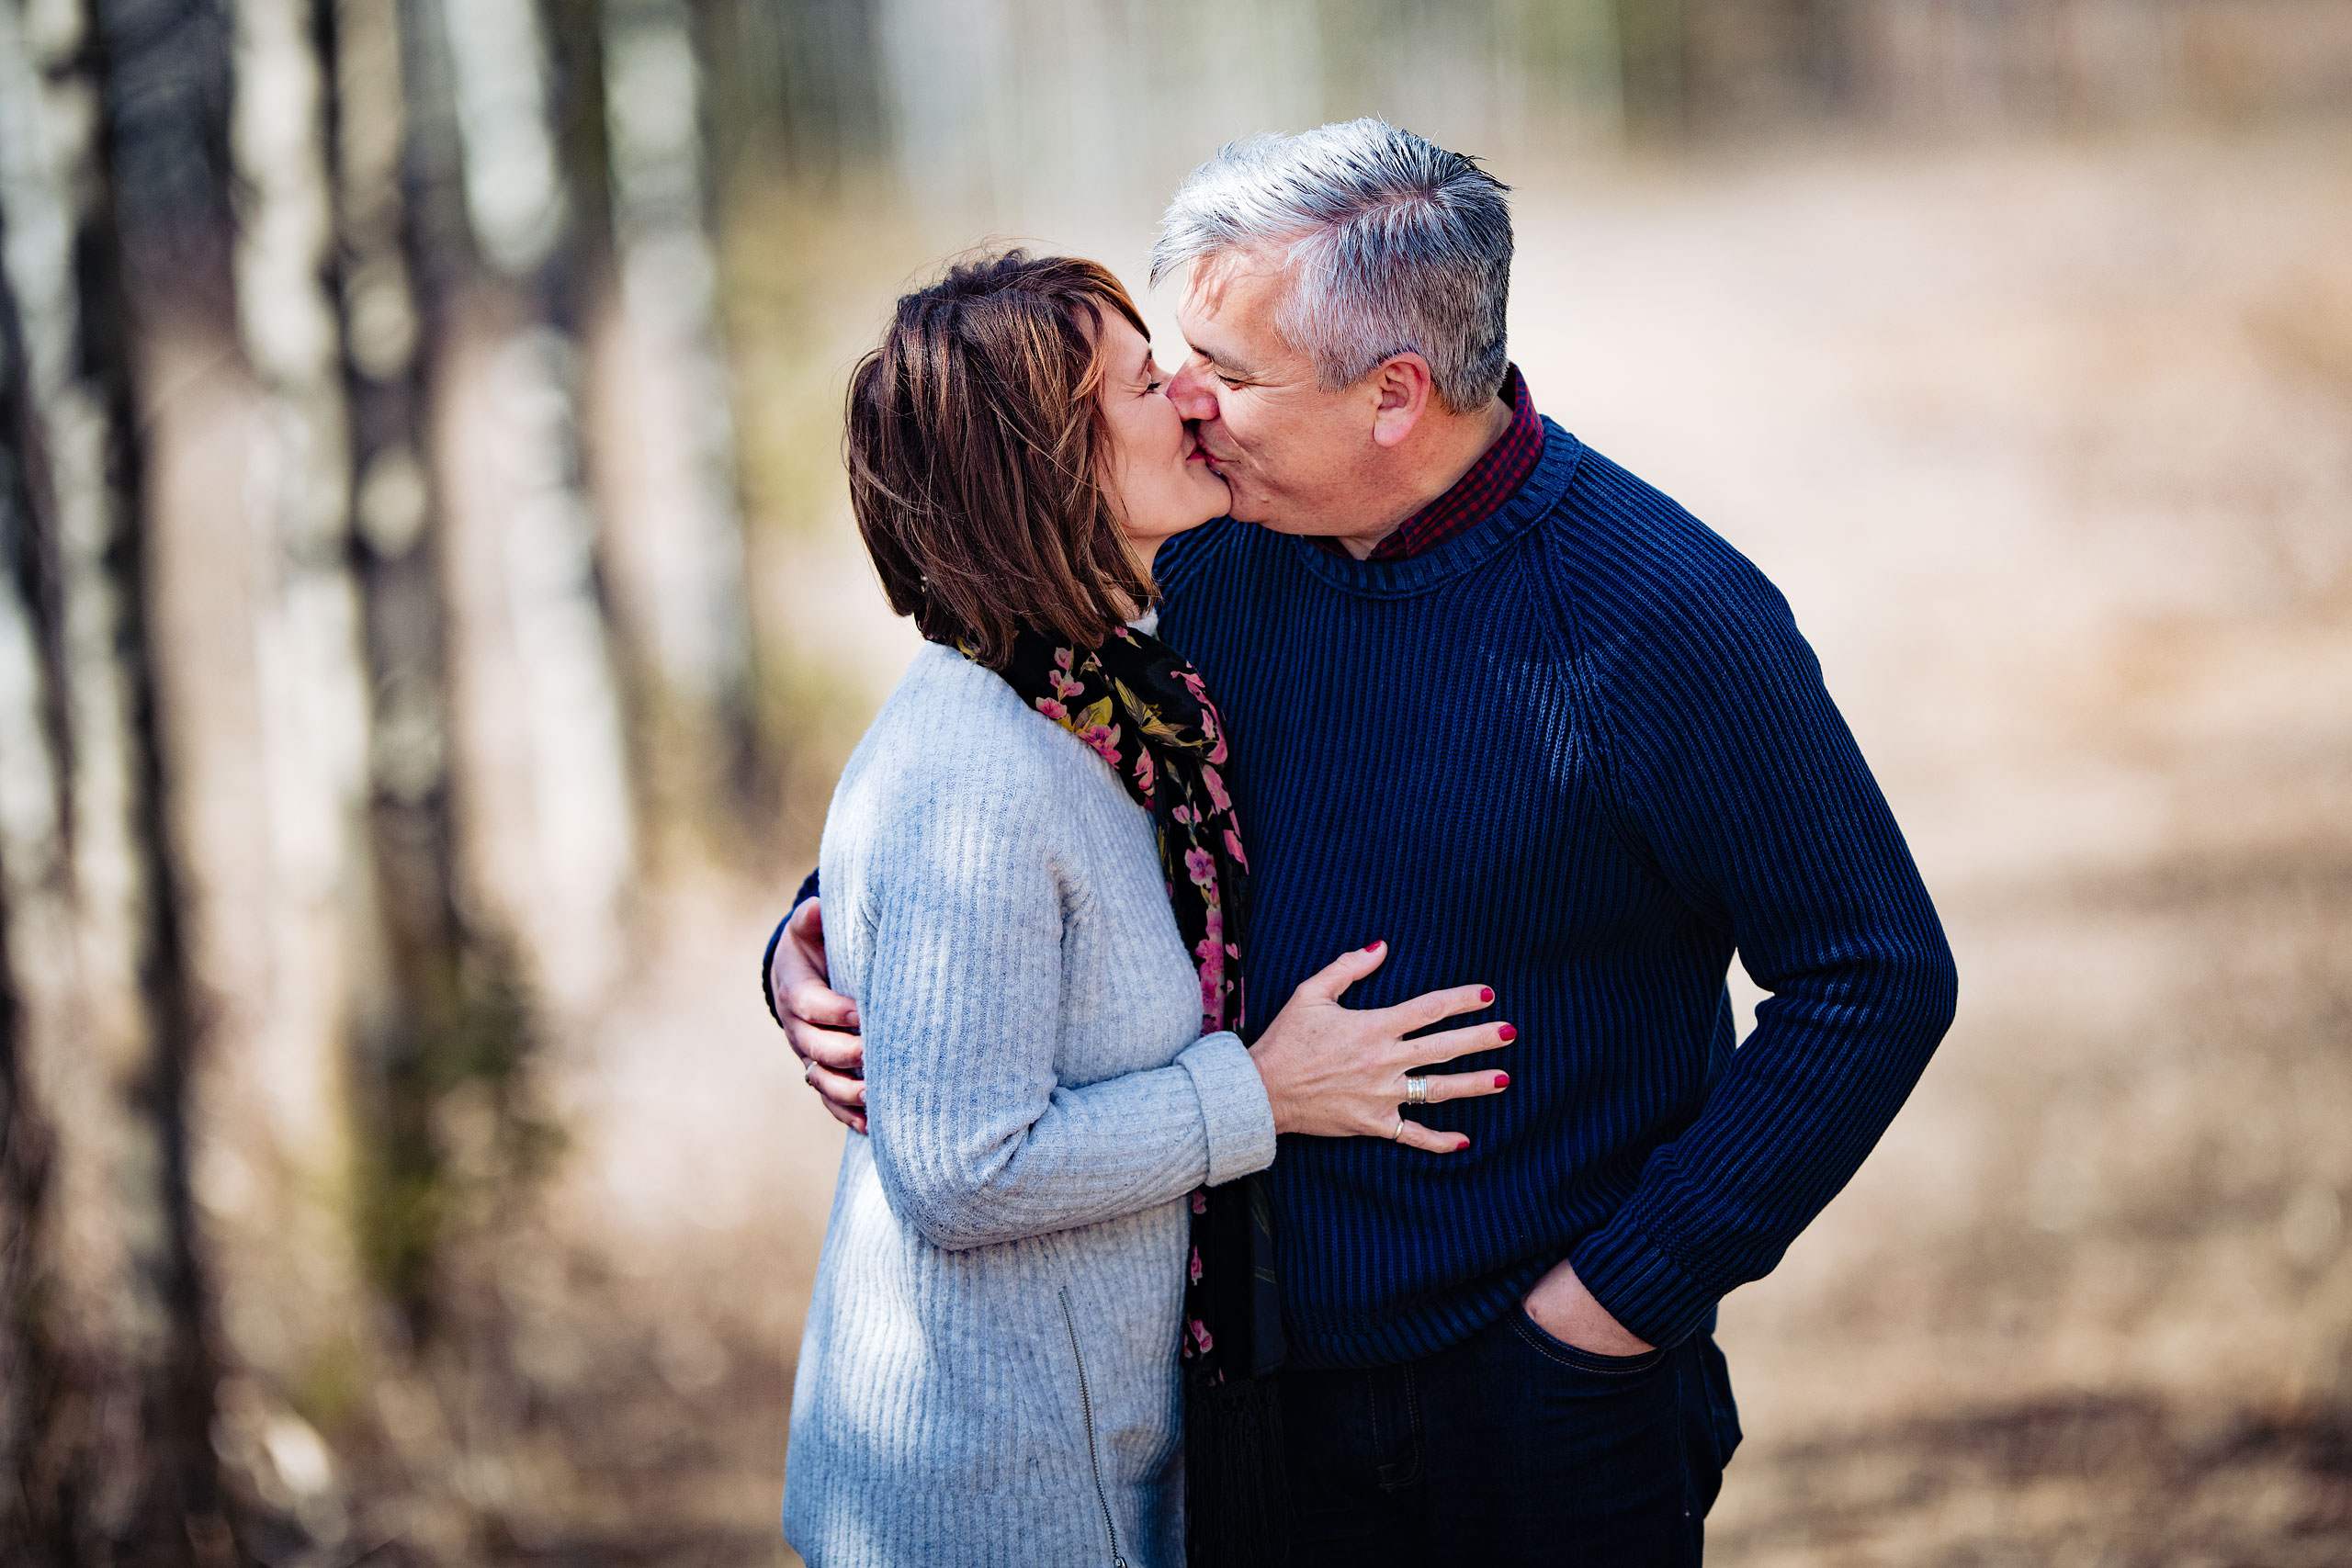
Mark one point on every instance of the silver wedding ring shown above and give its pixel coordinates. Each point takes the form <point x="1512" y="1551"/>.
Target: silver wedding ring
<point x="1400" y="1130"/>
<point x="808" y="1074"/>
<point x="1416" y="1090"/>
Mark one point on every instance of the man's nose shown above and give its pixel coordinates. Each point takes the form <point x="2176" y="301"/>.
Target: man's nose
<point x="1190" y="391"/>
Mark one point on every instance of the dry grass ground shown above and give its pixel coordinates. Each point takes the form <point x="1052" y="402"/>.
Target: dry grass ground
<point x="2051" y="448"/>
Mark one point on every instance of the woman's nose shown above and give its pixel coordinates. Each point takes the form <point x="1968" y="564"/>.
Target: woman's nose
<point x="1190" y="391"/>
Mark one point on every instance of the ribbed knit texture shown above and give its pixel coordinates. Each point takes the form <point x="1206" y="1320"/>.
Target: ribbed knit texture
<point x="1580" y="753"/>
<point x="1040" y="1104"/>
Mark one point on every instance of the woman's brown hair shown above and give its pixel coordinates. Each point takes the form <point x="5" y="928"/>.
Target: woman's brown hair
<point x="974" y="445"/>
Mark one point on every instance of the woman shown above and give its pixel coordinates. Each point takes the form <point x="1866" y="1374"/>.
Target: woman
<point x="1034" y="891"/>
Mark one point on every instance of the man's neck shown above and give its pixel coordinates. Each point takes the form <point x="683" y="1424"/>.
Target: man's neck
<point x="1457" y="442"/>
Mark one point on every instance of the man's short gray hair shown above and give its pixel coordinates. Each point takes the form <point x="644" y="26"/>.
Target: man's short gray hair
<point x="1391" y="243"/>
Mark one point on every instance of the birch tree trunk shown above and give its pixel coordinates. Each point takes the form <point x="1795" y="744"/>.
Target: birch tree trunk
<point x="263" y="708"/>
<point x="103" y="1023"/>
<point x="545" y="798"/>
<point x="33" y="927"/>
<point x="435" y="980"/>
<point x="327" y="963"/>
<point x="454" y="1031"/>
<point x="663" y="459"/>
<point x="151" y="243"/>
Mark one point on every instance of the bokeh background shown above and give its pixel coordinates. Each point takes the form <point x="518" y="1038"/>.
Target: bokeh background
<point x="431" y="626"/>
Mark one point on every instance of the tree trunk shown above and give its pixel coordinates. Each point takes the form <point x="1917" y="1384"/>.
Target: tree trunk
<point x="548" y="829"/>
<point x="662" y="452"/>
<point x="431" y="950"/>
<point x="103" y="110"/>
<point x="263" y="709"/>
<point x="103" y="1021"/>
<point x="34" y="1369"/>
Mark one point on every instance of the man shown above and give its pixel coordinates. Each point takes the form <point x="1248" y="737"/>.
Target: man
<point x="1499" y="703"/>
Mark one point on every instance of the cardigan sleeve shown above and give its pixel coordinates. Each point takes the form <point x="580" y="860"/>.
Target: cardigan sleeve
<point x="1737" y="779"/>
<point x="973" y="1136"/>
<point x="768" y="954"/>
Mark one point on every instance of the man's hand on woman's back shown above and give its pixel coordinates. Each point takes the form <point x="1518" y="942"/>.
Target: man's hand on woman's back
<point x="820" y="1024"/>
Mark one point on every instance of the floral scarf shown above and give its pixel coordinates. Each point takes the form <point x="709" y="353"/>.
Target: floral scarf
<point x="1145" y="712"/>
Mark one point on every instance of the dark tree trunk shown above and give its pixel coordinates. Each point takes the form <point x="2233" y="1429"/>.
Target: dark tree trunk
<point x="436" y="959"/>
<point x="153" y="248"/>
<point x="34" y="1366"/>
<point x="106" y="1313"/>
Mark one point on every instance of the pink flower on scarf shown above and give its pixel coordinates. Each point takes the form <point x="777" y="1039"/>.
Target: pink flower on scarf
<point x="1104" y="738"/>
<point x="1216" y="789"/>
<point x="1200" y="867"/>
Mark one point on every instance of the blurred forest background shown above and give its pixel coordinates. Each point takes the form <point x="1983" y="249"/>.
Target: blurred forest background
<point x="430" y="625"/>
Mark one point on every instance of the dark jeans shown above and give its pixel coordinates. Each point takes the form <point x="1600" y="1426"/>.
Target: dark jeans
<point x="1511" y="1448"/>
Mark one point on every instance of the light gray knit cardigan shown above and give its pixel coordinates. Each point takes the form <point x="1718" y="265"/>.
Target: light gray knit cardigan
<point x="989" y="1373"/>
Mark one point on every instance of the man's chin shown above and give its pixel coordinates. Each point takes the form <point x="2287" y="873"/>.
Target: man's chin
<point x="1248" y="509"/>
<point x="1246" y="506"/>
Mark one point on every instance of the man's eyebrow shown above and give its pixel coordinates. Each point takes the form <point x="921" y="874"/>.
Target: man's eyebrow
<point x="1213" y="357"/>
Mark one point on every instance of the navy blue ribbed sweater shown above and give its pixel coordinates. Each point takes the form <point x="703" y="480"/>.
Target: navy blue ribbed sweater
<point x="1580" y="753"/>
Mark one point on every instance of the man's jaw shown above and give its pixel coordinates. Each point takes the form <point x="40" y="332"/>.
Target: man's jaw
<point x="1244" y="507"/>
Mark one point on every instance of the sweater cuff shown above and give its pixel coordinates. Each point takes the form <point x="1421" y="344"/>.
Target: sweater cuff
<point x="1234" y="1107"/>
<point x="767" y="969"/>
<point x="1639" y="1284"/>
<point x="767" y="955"/>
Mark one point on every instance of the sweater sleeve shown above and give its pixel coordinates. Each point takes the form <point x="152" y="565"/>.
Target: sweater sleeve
<point x="768" y="954"/>
<point x="975" y="1140"/>
<point x="1737" y="778"/>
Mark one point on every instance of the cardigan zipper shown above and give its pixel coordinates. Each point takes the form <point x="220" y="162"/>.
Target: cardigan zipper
<point x="1086" y="1410"/>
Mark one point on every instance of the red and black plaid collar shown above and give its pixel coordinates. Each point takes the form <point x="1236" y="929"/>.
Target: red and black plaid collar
<point x="1479" y="494"/>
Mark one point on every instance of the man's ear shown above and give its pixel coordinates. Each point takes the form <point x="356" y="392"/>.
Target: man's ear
<point x="1401" y="396"/>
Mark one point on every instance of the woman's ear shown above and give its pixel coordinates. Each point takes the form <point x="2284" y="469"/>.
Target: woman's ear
<point x="1401" y="396"/>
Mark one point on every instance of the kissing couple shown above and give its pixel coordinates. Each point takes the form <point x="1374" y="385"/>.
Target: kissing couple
<point x="1289" y="727"/>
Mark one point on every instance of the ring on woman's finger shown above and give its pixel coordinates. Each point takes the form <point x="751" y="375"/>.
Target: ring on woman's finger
<point x="1400" y="1128"/>
<point x="809" y="1075"/>
<point x="1416" y="1090"/>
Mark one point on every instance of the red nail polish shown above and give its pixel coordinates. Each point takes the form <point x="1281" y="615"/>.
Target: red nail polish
<point x="1462" y="1146"/>
<point x="1486" y="993"/>
<point x="1372" y="947"/>
<point x="1507" y="1032"/>
<point x="1502" y="1080"/>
